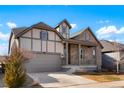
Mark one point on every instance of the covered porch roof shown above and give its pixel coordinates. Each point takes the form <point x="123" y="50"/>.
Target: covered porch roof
<point x="85" y="43"/>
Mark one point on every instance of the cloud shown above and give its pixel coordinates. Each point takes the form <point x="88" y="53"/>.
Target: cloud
<point x="3" y="48"/>
<point x="108" y="31"/>
<point x="120" y="31"/>
<point x="74" y="25"/>
<point x="11" y="25"/>
<point x="4" y="37"/>
<point x="103" y="21"/>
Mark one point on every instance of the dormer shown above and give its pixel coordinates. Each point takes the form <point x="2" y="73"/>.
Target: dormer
<point x="63" y="28"/>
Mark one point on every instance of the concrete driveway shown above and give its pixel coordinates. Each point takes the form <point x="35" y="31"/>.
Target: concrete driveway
<point x="59" y="79"/>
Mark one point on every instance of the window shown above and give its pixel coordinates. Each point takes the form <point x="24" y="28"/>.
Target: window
<point x="81" y="53"/>
<point x="86" y="36"/>
<point x="63" y="29"/>
<point x="94" y="51"/>
<point x="44" y="35"/>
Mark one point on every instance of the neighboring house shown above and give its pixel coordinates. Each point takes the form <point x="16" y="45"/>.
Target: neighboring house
<point x="112" y="53"/>
<point x="54" y="48"/>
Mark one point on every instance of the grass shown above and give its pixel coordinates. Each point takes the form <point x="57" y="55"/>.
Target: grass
<point x="102" y="76"/>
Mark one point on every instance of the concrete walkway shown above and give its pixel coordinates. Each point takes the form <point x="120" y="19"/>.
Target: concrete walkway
<point x="59" y="79"/>
<point x="115" y="84"/>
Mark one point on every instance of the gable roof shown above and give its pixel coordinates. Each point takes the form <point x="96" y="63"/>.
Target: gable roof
<point x="73" y="41"/>
<point x="21" y="30"/>
<point x="65" y="20"/>
<point x="43" y="26"/>
<point x="39" y="25"/>
<point x="78" y="32"/>
<point x="111" y="46"/>
<point x="84" y="29"/>
<point x="16" y="31"/>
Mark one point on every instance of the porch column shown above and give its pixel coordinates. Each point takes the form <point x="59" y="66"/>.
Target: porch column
<point x="66" y="53"/>
<point x="79" y="52"/>
<point x="98" y="58"/>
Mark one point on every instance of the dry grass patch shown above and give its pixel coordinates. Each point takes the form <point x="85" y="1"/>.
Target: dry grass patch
<point x="102" y="76"/>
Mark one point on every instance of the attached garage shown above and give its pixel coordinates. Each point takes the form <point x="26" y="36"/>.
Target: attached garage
<point x="43" y="63"/>
<point x="122" y="66"/>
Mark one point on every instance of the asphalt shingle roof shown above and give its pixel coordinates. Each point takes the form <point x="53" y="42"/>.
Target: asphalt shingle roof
<point x="16" y="31"/>
<point x="111" y="46"/>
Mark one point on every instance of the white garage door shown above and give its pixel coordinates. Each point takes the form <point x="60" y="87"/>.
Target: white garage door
<point x="44" y="63"/>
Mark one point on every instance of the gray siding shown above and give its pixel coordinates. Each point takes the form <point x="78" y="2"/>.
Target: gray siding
<point x="122" y="67"/>
<point x="109" y="61"/>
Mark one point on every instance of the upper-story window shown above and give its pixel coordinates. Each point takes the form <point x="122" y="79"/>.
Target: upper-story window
<point x="63" y="29"/>
<point x="44" y="35"/>
<point x="86" y="36"/>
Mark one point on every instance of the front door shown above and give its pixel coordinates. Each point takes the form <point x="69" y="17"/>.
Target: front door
<point x="73" y="54"/>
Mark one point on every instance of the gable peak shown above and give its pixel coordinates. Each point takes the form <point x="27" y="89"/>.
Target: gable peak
<point x="64" y="21"/>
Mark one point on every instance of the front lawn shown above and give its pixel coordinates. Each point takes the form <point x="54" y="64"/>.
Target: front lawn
<point x="102" y="76"/>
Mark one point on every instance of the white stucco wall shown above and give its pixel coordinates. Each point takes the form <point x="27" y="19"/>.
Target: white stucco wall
<point x="39" y="45"/>
<point x="51" y="46"/>
<point x="57" y="29"/>
<point x="43" y="46"/>
<point x="27" y="34"/>
<point x="13" y="43"/>
<point x="57" y="38"/>
<point x="36" y="45"/>
<point x="59" y="47"/>
<point x="25" y="44"/>
<point x="51" y="35"/>
<point x="36" y="33"/>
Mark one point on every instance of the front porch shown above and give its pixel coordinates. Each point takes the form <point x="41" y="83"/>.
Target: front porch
<point x="80" y="56"/>
<point x="80" y="53"/>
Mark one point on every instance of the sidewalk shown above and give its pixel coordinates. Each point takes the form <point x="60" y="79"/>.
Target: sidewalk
<point x="115" y="84"/>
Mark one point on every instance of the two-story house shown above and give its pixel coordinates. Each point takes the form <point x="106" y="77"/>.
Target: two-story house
<point x="54" y="48"/>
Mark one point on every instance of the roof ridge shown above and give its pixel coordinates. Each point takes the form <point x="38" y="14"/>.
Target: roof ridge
<point x="78" y="32"/>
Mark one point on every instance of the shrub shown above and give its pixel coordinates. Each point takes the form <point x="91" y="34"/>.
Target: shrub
<point x="15" y="75"/>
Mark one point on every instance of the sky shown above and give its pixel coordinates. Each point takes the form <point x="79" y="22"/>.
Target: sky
<point x="106" y="22"/>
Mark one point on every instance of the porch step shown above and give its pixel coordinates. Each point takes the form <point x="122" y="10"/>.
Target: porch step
<point x="73" y="68"/>
<point x="64" y="69"/>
